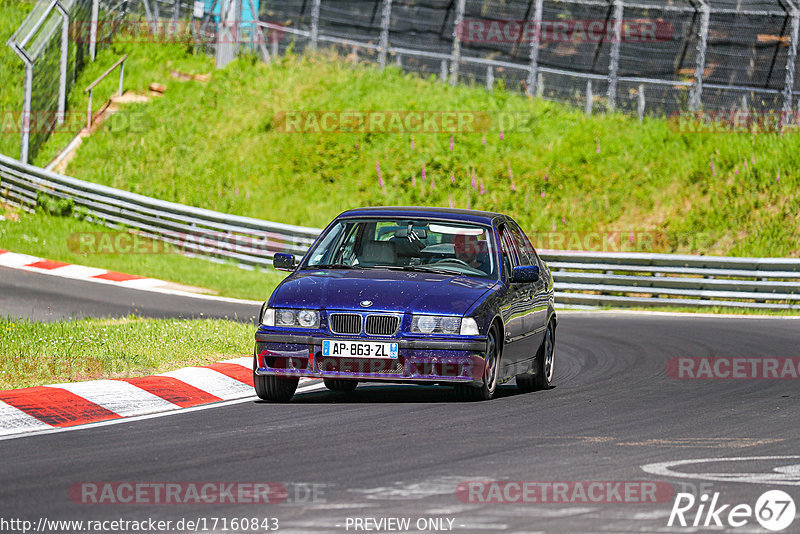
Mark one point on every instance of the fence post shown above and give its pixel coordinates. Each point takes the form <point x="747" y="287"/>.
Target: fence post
<point x="93" y="29"/>
<point x="256" y="29"/>
<point x="62" y="76"/>
<point x="176" y="12"/>
<point x="589" y="98"/>
<point x="26" y="114"/>
<point x="226" y="28"/>
<point x="315" y="23"/>
<point x="455" y="57"/>
<point x="613" y="67"/>
<point x="697" y="93"/>
<point x="790" y="63"/>
<point x="121" y="77"/>
<point x="533" y="68"/>
<point x="386" y="19"/>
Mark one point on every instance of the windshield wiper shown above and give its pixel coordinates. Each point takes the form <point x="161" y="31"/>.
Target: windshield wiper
<point x="432" y="269"/>
<point x="334" y="266"/>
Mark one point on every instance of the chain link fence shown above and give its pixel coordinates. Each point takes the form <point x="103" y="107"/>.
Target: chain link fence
<point x="657" y="58"/>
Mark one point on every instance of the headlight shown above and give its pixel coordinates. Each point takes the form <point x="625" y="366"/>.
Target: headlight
<point x="435" y="324"/>
<point x="290" y="318"/>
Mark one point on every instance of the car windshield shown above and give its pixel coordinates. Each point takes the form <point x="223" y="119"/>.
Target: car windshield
<point x="454" y="248"/>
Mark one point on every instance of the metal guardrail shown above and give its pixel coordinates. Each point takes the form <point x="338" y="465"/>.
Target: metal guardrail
<point x="637" y="279"/>
<point x="193" y="230"/>
<point x="581" y="278"/>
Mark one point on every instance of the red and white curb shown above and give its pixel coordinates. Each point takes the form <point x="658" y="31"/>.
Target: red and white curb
<point x="25" y="262"/>
<point x="78" y="403"/>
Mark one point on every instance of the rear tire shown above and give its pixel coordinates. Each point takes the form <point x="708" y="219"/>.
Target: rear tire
<point x="545" y="358"/>
<point x="486" y="391"/>
<point x="342" y="385"/>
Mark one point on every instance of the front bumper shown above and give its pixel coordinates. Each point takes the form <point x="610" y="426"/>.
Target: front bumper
<point x="419" y="360"/>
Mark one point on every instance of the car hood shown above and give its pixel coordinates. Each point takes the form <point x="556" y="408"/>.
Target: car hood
<point x="396" y="291"/>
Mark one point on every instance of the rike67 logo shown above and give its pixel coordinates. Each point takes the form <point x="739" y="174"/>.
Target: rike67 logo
<point x="774" y="510"/>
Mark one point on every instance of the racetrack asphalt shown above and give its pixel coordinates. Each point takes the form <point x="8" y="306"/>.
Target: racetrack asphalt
<point x="44" y="297"/>
<point x="390" y="451"/>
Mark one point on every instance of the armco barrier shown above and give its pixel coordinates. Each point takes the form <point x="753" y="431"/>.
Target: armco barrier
<point x="581" y="278"/>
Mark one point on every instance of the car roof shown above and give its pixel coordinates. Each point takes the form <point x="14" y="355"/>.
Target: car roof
<point x="453" y="214"/>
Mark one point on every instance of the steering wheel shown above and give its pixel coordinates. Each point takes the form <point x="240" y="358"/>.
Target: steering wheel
<point x="455" y="260"/>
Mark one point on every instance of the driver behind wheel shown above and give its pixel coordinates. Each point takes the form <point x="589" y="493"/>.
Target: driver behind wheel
<point x="472" y="251"/>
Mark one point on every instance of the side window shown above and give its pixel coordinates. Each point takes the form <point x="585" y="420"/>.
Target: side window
<point x="527" y="256"/>
<point x="508" y="250"/>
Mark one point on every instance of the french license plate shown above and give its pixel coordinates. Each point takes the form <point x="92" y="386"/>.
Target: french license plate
<point x="359" y="349"/>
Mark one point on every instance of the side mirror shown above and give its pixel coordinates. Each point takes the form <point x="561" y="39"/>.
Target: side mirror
<point x="525" y="274"/>
<point x="283" y="262"/>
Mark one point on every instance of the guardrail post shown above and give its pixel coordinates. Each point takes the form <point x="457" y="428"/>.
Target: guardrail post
<point x="386" y="20"/>
<point x="93" y="29"/>
<point x="790" y="63"/>
<point x="443" y="70"/>
<point x="490" y="78"/>
<point x="455" y="56"/>
<point x="533" y="67"/>
<point x="315" y="23"/>
<point x="589" y="98"/>
<point x="613" y="67"/>
<point x="642" y="103"/>
<point x="696" y="97"/>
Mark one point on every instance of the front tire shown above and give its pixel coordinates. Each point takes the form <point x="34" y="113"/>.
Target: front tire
<point x="341" y="385"/>
<point x="487" y="390"/>
<point x="274" y="388"/>
<point x="544" y="364"/>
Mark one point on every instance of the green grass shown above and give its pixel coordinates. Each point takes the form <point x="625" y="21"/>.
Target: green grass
<point x="216" y="146"/>
<point x="48" y="236"/>
<point x="33" y="354"/>
<point x="147" y="63"/>
<point x="12" y="72"/>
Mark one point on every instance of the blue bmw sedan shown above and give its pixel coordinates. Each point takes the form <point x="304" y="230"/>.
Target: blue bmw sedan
<point x="414" y="295"/>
